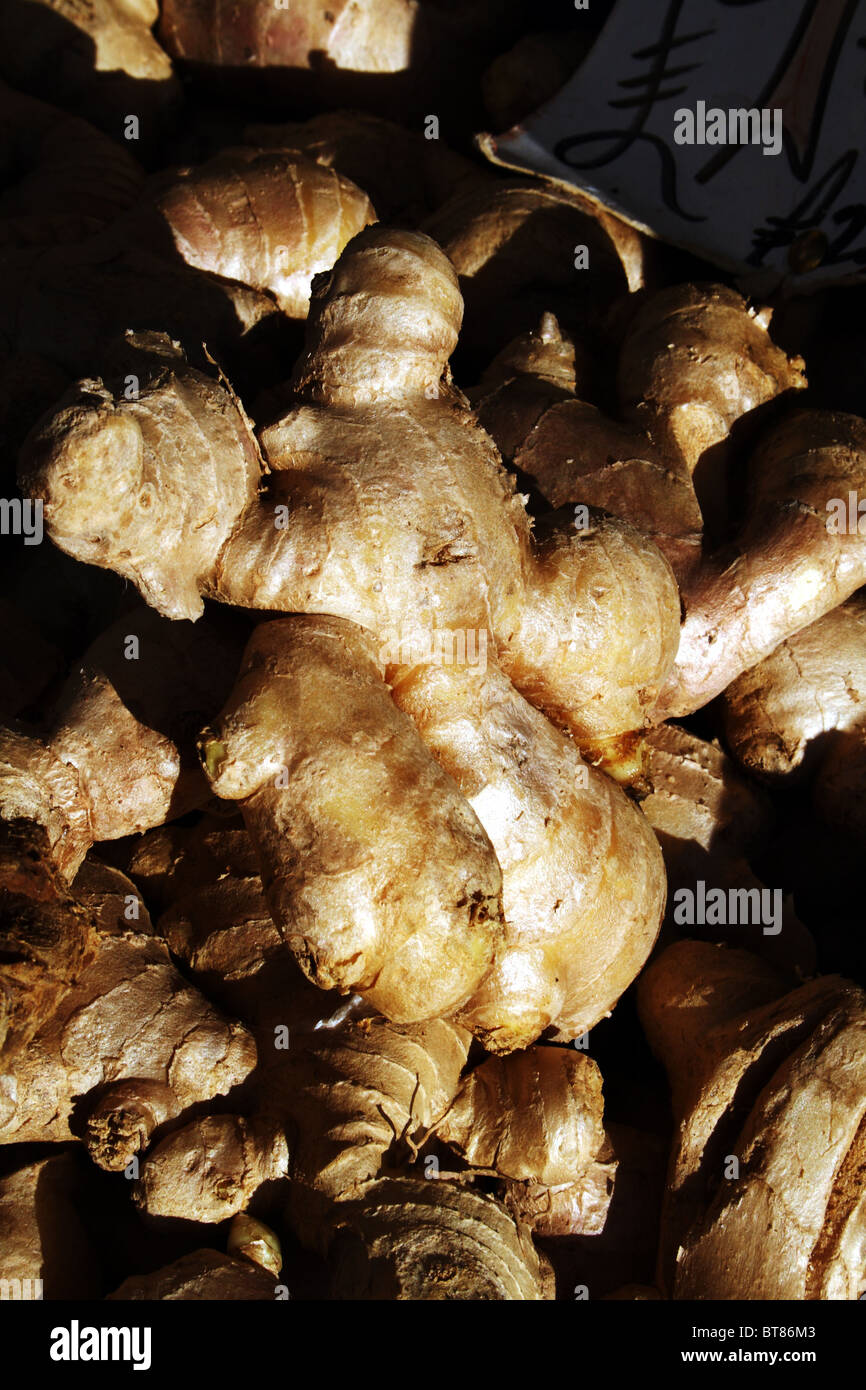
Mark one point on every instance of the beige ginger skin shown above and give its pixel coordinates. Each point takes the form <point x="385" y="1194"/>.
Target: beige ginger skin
<point x="773" y="1075"/>
<point x="782" y="716"/>
<point x="129" y="1045"/>
<point x="529" y="400"/>
<point x="696" y="362"/>
<point x="786" y="569"/>
<point x="528" y="902"/>
<point x="377" y="873"/>
<point x="584" y="621"/>
<point x="583" y="877"/>
<point x="263" y="218"/>
<point x="346" y="525"/>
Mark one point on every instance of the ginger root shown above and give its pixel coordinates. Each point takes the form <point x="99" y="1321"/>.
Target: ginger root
<point x="710" y="822"/>
<point x="597" y="633"/>
<point x="409" y="1239"/>
<point x="263" y="218"/>
<point x="571" y="452"/>
<point x="201" y="1276"/>
<point x="97" y="58"/>
<point x="781" y="716"/>
<point x="378" y="875"/>
<point x="392" y="55"/>
<point x="67" y="178"/>
<point x="361" y="38"/>
<point x="46" y="938"/>
<point x="128" y="1047"/>
<point x="123" y="707"/>
<point x="787" y="568"/>
<point x="534" y="1115"/>
<point x="343" y="1103"/>
<point x="583" y="883"/>
<point x="696" y="362"/>
<point x="456" y="556"/>
<point x="405" y="176"/>
<point x="773" y="1080"/>
<point x="513" y="246"/>
<point x="225" y="939"/>
<point x="796" y="717"/>
<point x="112" y="468"/>
<point x="44" y="1237"/>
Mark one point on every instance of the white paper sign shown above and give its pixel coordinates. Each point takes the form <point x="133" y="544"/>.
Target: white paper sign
<point x="732" y="127"/>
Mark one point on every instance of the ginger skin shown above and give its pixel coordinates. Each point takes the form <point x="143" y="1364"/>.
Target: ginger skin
<point x="775" y="1078"/>
<point x="129" y="1046"/>
<point x="117" y="755"/>
<point x="529" y="401"/>
<point x="776" y="714"/>
<point x="295" y="218"/>
<point x="341" y="1103"/>
<point x="695" y="364"/>
<point x="583" y="880"/>
<point x="371" y="393"/>
<point x="787" y="568"/>
<point x="378" y="874"/>
<point x="535" y="1115"/>
<point x="348" y="1107"/>
<point x="47" y="937"/>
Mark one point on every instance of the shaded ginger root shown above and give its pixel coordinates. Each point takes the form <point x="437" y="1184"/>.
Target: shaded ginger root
<point x="570" y="451"/>
<point x="695" y="362"/>
<point x="66" y="305"/>
<point x="780" y="716"/>
<point x="217" y="924"/>
<point x="376" y="432"/>
<point x="366" y="1097"/>
<point x="583" y="882"/>
<point x="433" y="1241"/>
<point x="774" y="1079"/>
<point x="47" y="937"/>
<point x="128" y="1047"/>
<point x="44" y="1206"/>
<point x="172" y="862"/>
<point x="524" y="77"/>
<point x="65" y="179"/>
<point x="798" y="715"/>
<point x="32" y="661"/>
<point x="513" y="246"/>
<point x="97" y="58"/>
<point x="269" y="219"/>
<point x="536" y="370"/>
<point x="117" y="755"/>
<point x="201" y="1276"/>
<point x="709" y="822"/>
<point x="405" y="175"/>
<point x="378" y="874"/>
<point x="344" y="1101"/>
<point x="789" y="566"/>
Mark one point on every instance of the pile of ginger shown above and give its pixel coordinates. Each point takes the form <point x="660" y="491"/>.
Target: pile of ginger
<point x="367" y="720"/>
